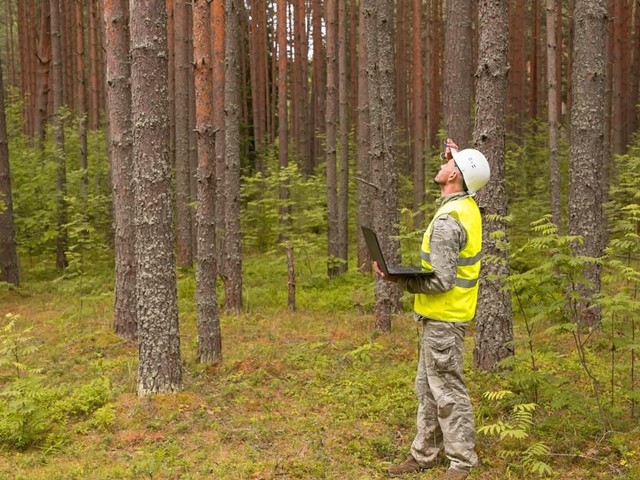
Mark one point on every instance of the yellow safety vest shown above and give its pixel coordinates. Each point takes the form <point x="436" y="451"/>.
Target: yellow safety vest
<point x="459" y="303"/>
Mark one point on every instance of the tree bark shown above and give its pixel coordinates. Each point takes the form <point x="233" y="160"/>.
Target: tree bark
<point x="458" y="72"/>
<point x="384" y="167"/>
<point x="331" y="116"/>
<point x="319" y="80"/>
<point x="172" y="80"/>
<point x="95" y="59"/>
<point x="68" y="48"/>
<point x="533" y="59"/>
<point x="283" y="122"/>
<point x="402" y="75"/>
<point x="362" y="141"/>
<point x="552" y="113"/>
<point x="81" y="99"/>
<point x="635" y="69"/>
<point x="258" y="56"/>
<point x="300" y="86"/>
<point x="11" y="59"/>
<point x="343" y="148"/>
<point x="41" y="78"/>
<point x="233" y="261"/>
<point x="159" y="369"/>
<point x="516" y="87"/>
<point x="417" y="116"/>
<point x="9" y="267"/>
<point x="181" y="98"/>
<point x="494" y="326"/>
<point x="586" y="153"/>
<point x="209" y="333"/>
<point x="118" y="72"/>
<point x="193" y="142"/>
<point x="436" y="61"/>
<point x="218" y="79"/>
<point x="58" y="133"/>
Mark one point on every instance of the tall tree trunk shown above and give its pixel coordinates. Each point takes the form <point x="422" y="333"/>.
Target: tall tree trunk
<point x="95" y="80"/>
<point x="433" y="59"/>
<point x="331" y="116"/>
<point x="343" y="147"/>
<point x="319" y="79"/>
<point x="533" y="59"/>
<point x="246" y="149"/>
<point x="217" y="21"/>
<point x="259" y="84"/>
<point x="68" y="49"/>
<point x="587" y="137"/>
<point x="552" y="87"/>
<point x="209" y="333"/>
<point x="618" y="48"/>
<point x="402" y="76"/>
<point x="81" y="99"/>
<point x="25" y="55"/>
<point x="233" y="260"/>
<point x="458" y="74"/>
<point x="353" y="59"/>
<point x="193" y="142"/>
<point x="58" y="129"/>
<point x="171" y="33"/>
<point x="159" y="369"/>
<point x="273" y="104"/>
<point x="516" y="87"/>
<point x="384" y="167"/>
<point x="559" y="62"/>
<point x="300" y="86"/>
<point x="362" y="141"/>
<point x="635" y="68"/>
<point x="118" y="72"/>
<point x="41" y="85"/>
<point x="181" y="97"/>
<point x="417" y="116"/>
<point x="283" y="122"/>
<point x="11" y="59"/>
<point x="494" y="327"/>
<point x="629" y="108"/>
<point x="33" y="52"/>
<point x="9" y="268"/>
<point x="570" y="52"/>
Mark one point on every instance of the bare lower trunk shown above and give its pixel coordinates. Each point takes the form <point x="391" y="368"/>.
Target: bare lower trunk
<point x="233" y="260"/>
<point x="159" y="368"/>
<point x="120" y="143"/>
<point x="494" y="325"/>
<point x="587" y="154"/>
<point x="384" y="168"/>
<point x="9" y="270"/>
<point x="209" y="335"/>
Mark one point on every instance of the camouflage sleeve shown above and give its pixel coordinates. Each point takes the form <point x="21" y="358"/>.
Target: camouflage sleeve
<point x="447" y="239"/>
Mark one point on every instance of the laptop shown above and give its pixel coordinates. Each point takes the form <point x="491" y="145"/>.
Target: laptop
<point x="396" y="270"/>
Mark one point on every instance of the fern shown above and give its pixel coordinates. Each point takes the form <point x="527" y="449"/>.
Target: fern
<point x="513" y="432"/>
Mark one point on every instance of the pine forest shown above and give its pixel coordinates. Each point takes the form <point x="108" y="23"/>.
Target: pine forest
<point x="185" y="288"/>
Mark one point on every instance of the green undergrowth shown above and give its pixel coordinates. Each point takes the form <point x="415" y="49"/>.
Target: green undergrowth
<point x="311" y="394"/>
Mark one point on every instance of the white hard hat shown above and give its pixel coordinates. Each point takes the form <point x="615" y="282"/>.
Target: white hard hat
<point x="474" y="167"/>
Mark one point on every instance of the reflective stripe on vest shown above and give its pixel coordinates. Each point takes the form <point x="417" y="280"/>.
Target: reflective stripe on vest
<point x="459" y="303"/>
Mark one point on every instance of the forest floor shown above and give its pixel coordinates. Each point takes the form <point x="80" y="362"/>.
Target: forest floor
<point x="313" y="394"/>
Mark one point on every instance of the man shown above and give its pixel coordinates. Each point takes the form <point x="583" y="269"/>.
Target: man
<point x="445" y="304"/>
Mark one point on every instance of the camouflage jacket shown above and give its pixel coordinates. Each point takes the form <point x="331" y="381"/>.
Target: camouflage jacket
<point x="448" y="238"/>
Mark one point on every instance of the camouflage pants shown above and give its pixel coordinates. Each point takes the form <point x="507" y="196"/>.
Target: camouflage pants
<point x="445" y="416"/>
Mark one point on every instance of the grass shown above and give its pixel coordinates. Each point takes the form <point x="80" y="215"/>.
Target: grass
<point x="313" y="394"/>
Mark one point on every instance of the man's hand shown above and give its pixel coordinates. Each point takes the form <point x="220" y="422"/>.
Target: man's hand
<point x="380" y="274"/>
<point x="450" y="145"/>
